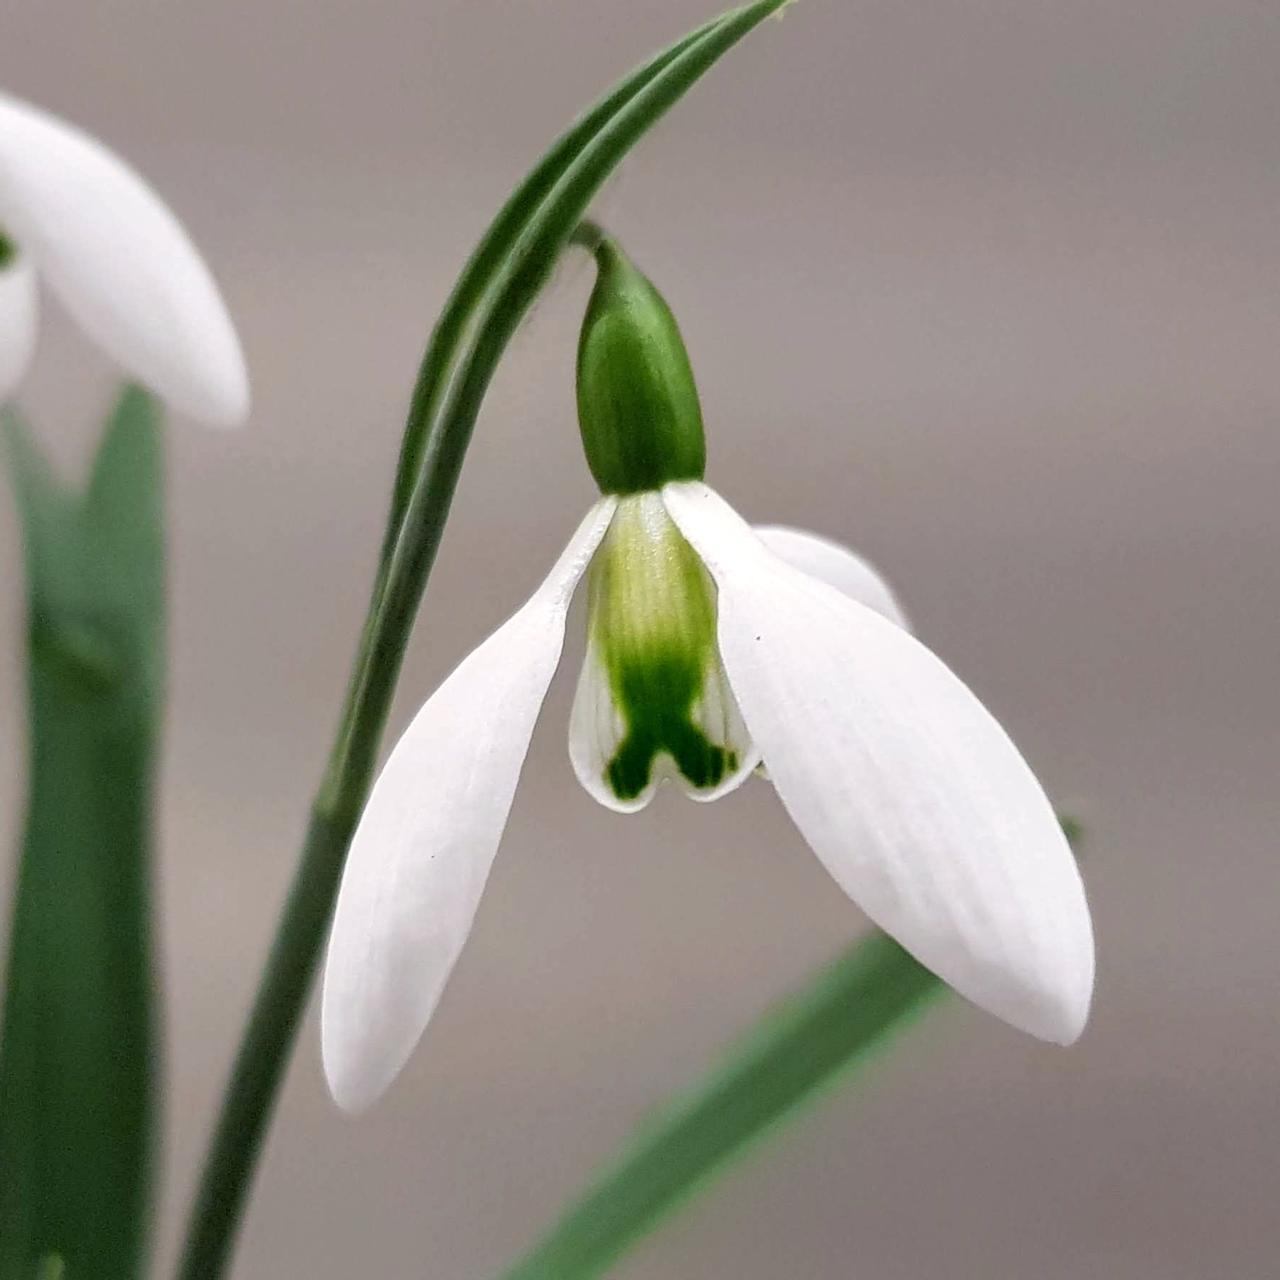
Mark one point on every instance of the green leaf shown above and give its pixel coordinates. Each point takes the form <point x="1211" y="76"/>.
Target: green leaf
<point x="495" y="289"/>
<point x="836" y="1023"/>
<point x="78" y="1055"/>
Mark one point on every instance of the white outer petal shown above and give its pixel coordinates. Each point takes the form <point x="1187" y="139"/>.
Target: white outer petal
<point x="835" y="565"/>
<point x="427" y="838"/>
<point x="120" y="262"/>
<point x="908" y="791"/>
<point x="18" y="312"/>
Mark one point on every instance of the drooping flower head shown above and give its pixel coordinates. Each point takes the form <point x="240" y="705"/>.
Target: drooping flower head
<point x="75" y="216"/>
<point x="714" y="650"/>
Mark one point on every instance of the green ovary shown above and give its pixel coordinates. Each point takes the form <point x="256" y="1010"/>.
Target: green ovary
<point x="653" y="621"/>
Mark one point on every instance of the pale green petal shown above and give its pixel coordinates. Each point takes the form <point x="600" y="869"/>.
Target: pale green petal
<point x="653" y="703"/>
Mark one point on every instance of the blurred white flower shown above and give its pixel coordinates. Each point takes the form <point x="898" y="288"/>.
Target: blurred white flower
<point x="73" y="214"/>
<point x="712" y="646"/>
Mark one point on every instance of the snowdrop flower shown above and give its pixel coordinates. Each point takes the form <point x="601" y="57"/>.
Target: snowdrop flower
<point x="74" y="214"/>
<point x="711" y="647"/>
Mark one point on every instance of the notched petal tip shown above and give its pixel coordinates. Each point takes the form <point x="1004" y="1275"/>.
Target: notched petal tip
<point x="601" y="749"/>
<point x="121" y="263"/>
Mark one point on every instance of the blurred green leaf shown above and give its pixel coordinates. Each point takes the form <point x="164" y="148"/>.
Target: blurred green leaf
<point x="78" y="1054"/>
<point x="848" y="1011"/>
<point x="839" y="1020"/>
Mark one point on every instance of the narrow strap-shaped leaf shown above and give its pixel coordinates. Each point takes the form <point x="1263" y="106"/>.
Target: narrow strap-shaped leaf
<point x="77" y="1058"/>
<point x="836" y="1022"/>
<point x="806" y="1045"/>
<point x="495" y="290"/>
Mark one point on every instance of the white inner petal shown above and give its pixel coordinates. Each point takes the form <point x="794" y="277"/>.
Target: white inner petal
<point x="653" y="703"/>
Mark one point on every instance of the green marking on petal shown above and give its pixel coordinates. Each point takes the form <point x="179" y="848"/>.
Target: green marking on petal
<point x="653" y="619"/>
<point x="8" y="251"/>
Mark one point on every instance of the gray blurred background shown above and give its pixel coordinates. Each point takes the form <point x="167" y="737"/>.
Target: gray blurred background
<point x="987" y="289"/>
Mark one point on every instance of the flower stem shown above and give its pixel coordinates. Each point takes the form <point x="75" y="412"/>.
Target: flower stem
<point x="589" y="235"/>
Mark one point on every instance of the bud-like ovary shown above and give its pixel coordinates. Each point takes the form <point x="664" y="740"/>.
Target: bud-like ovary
<point x="637" y="402"/>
